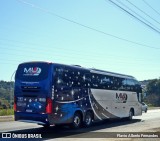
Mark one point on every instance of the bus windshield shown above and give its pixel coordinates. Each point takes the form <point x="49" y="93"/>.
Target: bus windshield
<point x="32" y="71"/>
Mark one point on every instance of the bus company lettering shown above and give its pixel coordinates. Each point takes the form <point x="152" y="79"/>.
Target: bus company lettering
<point x="121" y="97"/>
<point x="32" y="71"/>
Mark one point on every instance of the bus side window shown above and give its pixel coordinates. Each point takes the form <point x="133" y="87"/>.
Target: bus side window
<point x="61" y="77"/>
<point x="76" y="78"/>
<point x="86" y="79"/>
<point x="130" y="85"/>
<point x="137" y="87"/>
<point x="107" y="82"/>
<point x="115" y="83"/>
<point x="122" y="84"/>
<point x="95" y="81"/>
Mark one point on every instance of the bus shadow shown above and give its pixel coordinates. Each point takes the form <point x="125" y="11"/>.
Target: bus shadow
<point x="66" y="132"/>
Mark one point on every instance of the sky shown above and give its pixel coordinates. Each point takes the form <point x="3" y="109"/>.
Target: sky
<point x="91" y="33"/>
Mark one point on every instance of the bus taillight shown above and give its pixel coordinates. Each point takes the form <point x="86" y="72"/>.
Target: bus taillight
<point x="15" y="105"/>
<point x="49" y="106"/>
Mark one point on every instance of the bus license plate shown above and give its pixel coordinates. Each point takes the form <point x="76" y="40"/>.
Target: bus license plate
<point x="21" y="104"/>
<point x="28" y="110"/>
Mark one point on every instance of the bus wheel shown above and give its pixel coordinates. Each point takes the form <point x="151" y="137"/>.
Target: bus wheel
<point x="146" y="111"/>
<point x="77" y="120"/>
<point x="88" y="119"/>
<point x="130" y="114"/>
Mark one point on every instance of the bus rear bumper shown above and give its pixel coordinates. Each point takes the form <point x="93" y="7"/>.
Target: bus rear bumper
<point x="31" y="118"/>
<point x="32" y="121"/>
<point x="42" y="119"/>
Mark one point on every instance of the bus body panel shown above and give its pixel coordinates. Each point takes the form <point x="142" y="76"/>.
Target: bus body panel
<point x="116" y="103"/>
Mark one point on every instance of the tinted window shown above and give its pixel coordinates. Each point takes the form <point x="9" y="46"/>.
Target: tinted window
<point x="106" y="82"/>
<point x="99" y="81"/>
<point x="137" y="86"/>
<point x="122" y="83"/>
<point x="70" y="77"/>
<point x="102" y="81"/>
<point x="132" y="85"/>
<point x="95" y="80"/>
<point x="32" y="71"/>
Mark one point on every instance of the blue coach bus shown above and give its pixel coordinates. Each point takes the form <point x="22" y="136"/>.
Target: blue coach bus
<point x="55" y="94"/>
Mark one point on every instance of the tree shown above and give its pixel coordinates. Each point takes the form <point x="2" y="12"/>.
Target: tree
<point x="153" y="92"/>
<point x="6" y="93"/>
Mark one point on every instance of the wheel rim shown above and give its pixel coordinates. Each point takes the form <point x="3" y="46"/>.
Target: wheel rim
<point x="88" y="120"/>
<point x="77" y="121"/>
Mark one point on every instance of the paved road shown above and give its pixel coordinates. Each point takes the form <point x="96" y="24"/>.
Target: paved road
<point x="148" y="122"/>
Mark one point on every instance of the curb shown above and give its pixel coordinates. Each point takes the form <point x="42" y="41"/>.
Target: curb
<point x="7" y="118"/>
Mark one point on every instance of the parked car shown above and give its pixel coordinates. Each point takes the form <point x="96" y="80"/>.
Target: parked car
<point x="144" y="107"/>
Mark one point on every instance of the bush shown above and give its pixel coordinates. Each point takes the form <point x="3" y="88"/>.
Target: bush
<point x="5" y="112"/>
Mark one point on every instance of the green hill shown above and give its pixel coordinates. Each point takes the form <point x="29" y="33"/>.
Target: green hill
<point x="151" y="88"/>
<point x="6" y="94"/>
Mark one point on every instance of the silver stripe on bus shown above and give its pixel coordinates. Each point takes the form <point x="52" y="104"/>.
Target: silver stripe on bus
<point x="105" y="115"/>
<point x="93" y="108"/>
<point x="70" y="101"/>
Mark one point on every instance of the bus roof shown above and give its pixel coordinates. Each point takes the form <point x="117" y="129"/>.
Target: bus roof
<point x="111" y="73"/>
<point x="48" y="62"/>
<point x="92" y="70"/>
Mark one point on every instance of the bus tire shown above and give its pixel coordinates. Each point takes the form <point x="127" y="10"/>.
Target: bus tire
<point x="59" y="126"/>
<point x="77" y="120"/>
<point x="88" y="120"/>
<point x="146" y="110"/>
<point x="130" y="114"/>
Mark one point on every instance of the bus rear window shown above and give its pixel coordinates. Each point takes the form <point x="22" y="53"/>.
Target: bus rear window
<point x="32" y="71"/>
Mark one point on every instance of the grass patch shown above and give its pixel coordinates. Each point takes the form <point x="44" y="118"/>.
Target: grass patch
<point x="5" y="112"/>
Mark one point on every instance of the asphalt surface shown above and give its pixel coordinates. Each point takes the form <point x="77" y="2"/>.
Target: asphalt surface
<point x="149" y="123"/>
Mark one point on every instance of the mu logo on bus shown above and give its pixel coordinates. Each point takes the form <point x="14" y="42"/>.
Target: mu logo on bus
<point x="32" y="71"/>
<point x="121" y="97"/>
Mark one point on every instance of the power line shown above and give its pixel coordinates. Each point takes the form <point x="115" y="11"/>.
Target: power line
<point x="137" y="14"/>
<point x="134" y="16"/>
<point x="142" y="11"/>
<point x="88" y="27"/>
<point x="82" y="61"/>
<point x="151" y="7"/>
<point x="28" y="53"/>
<point x="120" y="60"/>
<point x="28" y="47"/>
